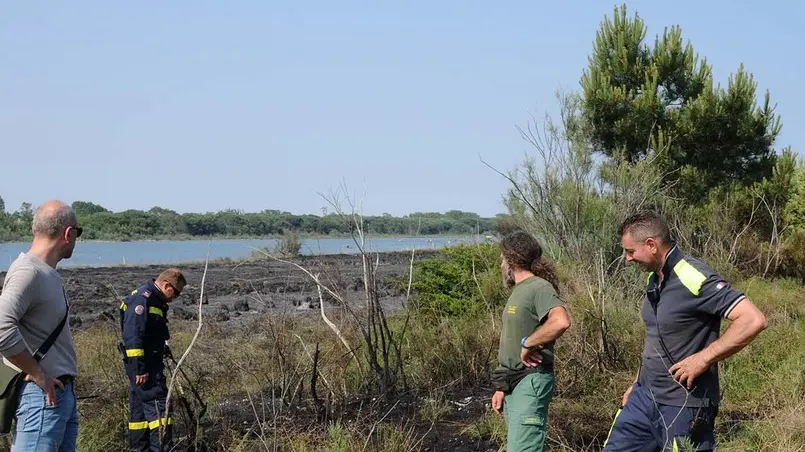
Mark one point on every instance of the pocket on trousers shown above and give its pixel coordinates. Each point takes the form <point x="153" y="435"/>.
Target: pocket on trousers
<point x="537" y="421"/>
<point x="30" y="413"/>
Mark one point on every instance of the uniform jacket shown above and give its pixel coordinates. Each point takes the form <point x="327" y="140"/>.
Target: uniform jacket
<point x="144" y="323"/>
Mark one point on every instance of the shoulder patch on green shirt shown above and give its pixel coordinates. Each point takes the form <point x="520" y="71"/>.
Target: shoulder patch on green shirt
<point x="689" y="276"/>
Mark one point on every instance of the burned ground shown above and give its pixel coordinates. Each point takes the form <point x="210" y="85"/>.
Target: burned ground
<point x="234" y="290"/>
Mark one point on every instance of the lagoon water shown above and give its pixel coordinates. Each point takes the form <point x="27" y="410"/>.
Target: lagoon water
<point x="99" y="254"/>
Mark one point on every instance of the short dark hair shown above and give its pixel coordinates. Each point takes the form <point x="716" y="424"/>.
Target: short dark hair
<point x="646" y="224"/>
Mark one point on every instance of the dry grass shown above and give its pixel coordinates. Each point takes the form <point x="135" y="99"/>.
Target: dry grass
<point x="257" y="381"/>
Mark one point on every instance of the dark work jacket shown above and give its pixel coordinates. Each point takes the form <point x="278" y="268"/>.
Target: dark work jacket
<point x="144" y="323"/>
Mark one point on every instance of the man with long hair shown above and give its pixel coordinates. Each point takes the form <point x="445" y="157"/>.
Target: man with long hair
<point x="533" y="319"/>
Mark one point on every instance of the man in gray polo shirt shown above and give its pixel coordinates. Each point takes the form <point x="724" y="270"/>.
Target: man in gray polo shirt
<point x="32" y="305"/>
<point x="674" y="399"/>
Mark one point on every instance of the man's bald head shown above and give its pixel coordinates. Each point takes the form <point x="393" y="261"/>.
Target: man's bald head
<point x="52" y="218"/>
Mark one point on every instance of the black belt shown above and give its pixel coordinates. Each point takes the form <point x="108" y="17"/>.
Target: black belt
<point x="66" y="379"/>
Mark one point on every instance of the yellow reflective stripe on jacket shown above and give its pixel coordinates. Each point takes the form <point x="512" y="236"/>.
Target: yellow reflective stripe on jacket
<point x="138" y="425"/>
<point x="648" y="278"/>
<point x="135" y="352"/>
<point x="153" y="425"/>
<point x="124" y="306"/>
<point x="613" y="426"/>
<point x="676" y="446"/>
<point x="689" y="276"/>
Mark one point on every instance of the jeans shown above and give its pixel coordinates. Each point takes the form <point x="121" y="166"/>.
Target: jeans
<point x="41" y="428"/>
<point x="526" y="413"/>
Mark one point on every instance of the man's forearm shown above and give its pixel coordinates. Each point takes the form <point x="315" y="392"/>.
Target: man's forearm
<point x="25" y="362"/>
<point x="735" y="338"/>
<point x="548" y="332"/>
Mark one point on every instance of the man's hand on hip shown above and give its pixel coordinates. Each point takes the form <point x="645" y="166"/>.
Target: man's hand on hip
<point x="687" y="370"/>
<point x="530" y="358"/>
<point x="47" y="384"/>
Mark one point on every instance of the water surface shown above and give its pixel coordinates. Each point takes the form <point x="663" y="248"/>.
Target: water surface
<point x="99" y="254"/>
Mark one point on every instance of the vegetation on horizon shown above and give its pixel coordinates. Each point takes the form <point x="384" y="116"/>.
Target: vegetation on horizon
<point x="100" y="223"/>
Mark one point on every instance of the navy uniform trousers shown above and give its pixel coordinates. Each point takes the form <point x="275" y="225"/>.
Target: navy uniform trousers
<point x="147" y="410"/>
<point x="646" y="426"/>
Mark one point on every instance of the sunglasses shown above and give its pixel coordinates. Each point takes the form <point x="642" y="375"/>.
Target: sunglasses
<point x="78" y="230"/>
<point x="175" y="291"/>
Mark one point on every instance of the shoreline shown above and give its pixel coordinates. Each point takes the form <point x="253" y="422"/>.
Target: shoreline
<point x="237" y="261"/>
<point x="269" y="237"/>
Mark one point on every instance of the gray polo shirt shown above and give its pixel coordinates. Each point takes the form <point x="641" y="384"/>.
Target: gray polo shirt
<point x="690" y="302"/>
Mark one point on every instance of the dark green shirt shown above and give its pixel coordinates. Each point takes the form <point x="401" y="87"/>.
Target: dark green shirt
<point x="526" y="309"/>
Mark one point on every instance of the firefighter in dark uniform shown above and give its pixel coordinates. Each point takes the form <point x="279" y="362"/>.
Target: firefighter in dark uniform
<point x="143" y="319"/>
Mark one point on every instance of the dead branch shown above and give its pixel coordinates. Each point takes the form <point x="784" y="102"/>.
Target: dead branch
<point x="333" y="326"/>
<point x="313" y="360"/>
<point x="178" y="367"/>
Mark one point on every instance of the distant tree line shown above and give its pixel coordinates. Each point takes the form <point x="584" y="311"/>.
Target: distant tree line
<point x="100" y="223"/>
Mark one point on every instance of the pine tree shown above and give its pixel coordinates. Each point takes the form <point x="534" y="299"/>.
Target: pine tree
<point x="633" y="92"/>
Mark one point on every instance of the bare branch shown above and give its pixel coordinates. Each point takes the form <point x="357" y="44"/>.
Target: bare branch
<point x="332" y="325"/>
<point x="178" y="367"/>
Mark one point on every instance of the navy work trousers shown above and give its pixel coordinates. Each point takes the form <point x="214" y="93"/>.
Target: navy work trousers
<point x="147" y="411"/>
<point x="646" y="426"/>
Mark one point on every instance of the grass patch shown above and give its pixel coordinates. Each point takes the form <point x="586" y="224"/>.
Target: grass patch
<point x="257" y="380"/>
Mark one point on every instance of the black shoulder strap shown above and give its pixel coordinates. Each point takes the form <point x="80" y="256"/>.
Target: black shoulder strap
<point x="40" y="353"/>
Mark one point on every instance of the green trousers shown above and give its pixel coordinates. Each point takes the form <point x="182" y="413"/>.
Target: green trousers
<point x="526" y="413"/>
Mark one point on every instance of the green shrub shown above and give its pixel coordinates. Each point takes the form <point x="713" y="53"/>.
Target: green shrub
<point x="465" y="281"/>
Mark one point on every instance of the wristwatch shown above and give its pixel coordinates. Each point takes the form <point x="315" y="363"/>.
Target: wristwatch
<point x="522" y="344"/>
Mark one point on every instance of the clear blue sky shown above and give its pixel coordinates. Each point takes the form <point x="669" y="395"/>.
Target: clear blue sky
<point x="202" y="105"/>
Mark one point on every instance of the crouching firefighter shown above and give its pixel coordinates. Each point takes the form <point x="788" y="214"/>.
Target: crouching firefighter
<point x="143" y="319"/>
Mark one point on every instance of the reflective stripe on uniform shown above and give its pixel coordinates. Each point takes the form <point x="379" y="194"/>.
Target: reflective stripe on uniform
<point x="151" y="309"/>
<point x="153" y="425"/>
<point x="613" y="426"/>
<point x="648" y="279"/>
<point x="689" y="276"/>
<point x="138" y="425"/>
<point x="675" y="446"/>
<point x="135" y="352"/>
